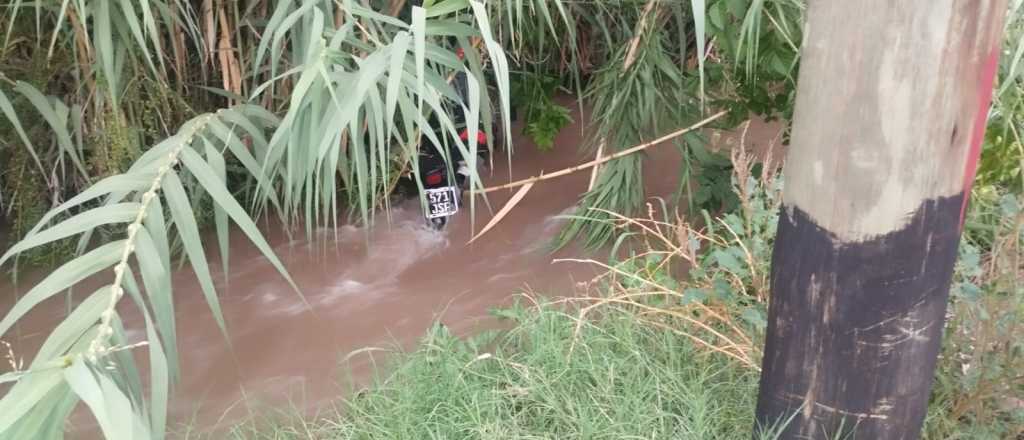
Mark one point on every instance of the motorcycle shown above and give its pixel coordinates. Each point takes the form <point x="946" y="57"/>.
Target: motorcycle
<point x="443" y="188"/>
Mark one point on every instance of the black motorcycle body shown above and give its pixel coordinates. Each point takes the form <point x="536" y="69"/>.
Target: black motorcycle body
<point x="443" y="186"/>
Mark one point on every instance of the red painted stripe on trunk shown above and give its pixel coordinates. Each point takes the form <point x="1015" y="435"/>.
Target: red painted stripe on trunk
<point x="986" y="83"/>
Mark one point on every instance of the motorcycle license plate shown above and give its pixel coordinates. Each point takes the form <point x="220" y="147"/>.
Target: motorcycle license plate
<point x="441" y="202"/>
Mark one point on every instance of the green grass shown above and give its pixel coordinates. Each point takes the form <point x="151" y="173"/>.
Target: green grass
<point x="622" y="368"/>
<point x="616" y="379"/>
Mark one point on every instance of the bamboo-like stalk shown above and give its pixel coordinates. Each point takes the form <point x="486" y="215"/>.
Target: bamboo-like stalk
<point x="634" y="43"/>
<point x="600" y="161"/>
<point x="597" y="168"/>
<point x="83" y="52"/>
<point x="177" y="40"/>
<point x="231" y="73"/>
<point x="210" y="31"/>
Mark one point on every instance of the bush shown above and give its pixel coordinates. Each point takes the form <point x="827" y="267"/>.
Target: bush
<point x="979" y="385"/>
<point x="543" y="118"/>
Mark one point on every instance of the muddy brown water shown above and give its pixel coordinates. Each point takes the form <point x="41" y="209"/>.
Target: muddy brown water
<point x="381" y="287"/>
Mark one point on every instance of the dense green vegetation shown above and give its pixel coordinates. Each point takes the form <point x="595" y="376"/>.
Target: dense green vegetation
<point x="663" y="355"/>
<point x="127" y="127"/>
<point x="615" y="378"/>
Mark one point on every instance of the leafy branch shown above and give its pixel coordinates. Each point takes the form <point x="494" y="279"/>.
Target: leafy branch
<point x="84" y="357"/>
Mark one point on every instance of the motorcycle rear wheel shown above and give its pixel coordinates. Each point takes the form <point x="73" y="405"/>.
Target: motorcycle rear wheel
<point x="438" y="223"/>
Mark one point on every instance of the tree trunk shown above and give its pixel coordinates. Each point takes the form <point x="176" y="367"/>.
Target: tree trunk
<point x="890" y="116"/>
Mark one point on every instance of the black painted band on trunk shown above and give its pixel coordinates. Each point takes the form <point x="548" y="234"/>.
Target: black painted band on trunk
<point x="854" y="329"/>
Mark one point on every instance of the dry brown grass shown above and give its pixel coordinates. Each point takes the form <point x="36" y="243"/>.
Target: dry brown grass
<point x="655" y="282"/>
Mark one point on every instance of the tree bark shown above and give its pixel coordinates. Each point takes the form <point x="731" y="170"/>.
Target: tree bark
<point x="891" y="109"/>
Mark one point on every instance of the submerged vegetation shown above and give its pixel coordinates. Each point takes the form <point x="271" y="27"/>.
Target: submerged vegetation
<point x="128" y="126"/>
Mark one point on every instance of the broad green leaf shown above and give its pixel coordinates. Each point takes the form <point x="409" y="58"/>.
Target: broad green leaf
<point x="132" y="19"/>
<point x="82" y="222"/>
<point x="64" y="277"/>
<point x="28" y="391"/>
<point x="208" y="179"/>
<point x="104" y="46"/>
<point x="692" y="295"/>
<point x="216" y="161"/>
<point x="754" y="317"/>
<point x="359" y="11"/>
<point x="446" y="7"/>
<point x="46" y="421"/>
<point x="11" y="376"/>
<point x="117" y="183"/>
<point x="699" y="15"/>
<point x="280" y="32"/>
<point x="158" y="153"/>
<point x="123" y="362"/>
<point x="234" y="144"/>
<point x="419" y="49"/>
<point x="185" y="220"/>
<point x="280" y="13"/>
<point x="500" y="63"/>
<point x="51" y="114"/>
<point x="396" y="66"/>
<point x="157" y="228"/>
<point x="157" y="280"/>
<point x="86" y="315"/>
<point x="159" y="382"/>
<point x="83" y="382"/>
<point x="5" y="106"/>
<point x="449" y="28"/>
<point x="258" y="90"/>
<point x="729" y="262"/>
<point x="237" y="118"/>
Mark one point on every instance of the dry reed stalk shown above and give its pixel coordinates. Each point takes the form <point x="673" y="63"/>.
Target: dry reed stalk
<point x="210" y="31"/>
<point x="177" y="37"/>
<point x="662" y="289"/>
<point x="512" y="202"/>
<point x="655" y="231"/>
<point x="231" y="73"/>
<point x="712" y="326"/>
<point x="597" y="168"/>
<point x="339" y="18"/>
<point x="634" y="43"/>
<point x="596" y="162"/>
<point x="83" y="52"/>
<point x="742" y="168"/>
<point x="209" y="43"/>
<point x="728" y="347"/>
<point x="742" y="356"/>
